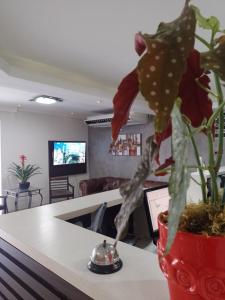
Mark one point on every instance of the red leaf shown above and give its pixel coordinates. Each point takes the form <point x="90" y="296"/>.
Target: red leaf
<point x="161" y="136"/>
<point x="139" y="44"/>
<point x="168" y="162"/>
<point x="122" y="101"/>
<point x="196" y="105"/>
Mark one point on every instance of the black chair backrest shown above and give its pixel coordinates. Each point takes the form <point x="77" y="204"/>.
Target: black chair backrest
<point x="59" y="183"/>
<point x="97" y="218"/>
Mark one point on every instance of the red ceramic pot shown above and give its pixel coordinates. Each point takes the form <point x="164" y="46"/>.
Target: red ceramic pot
<point x="195" y="266"/>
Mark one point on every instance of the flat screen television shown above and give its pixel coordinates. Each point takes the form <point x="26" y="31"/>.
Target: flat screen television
<point x="67" y="158"/>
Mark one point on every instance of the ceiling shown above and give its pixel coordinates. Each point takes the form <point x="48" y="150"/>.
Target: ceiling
<point x="76" y="49"/>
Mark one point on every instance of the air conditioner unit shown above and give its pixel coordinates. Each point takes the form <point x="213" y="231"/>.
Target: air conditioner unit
<point x="105" y="120"/>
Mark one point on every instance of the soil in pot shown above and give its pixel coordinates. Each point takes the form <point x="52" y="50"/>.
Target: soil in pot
<point x="201" y="219"/>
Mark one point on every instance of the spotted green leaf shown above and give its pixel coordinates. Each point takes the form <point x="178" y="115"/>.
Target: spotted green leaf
<point x="179" y="179"/>
<point x="161" y="68"/>
<point x="132" y="191"/>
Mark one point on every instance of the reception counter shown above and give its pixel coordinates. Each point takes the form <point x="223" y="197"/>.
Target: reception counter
<point x="42" y="236"/>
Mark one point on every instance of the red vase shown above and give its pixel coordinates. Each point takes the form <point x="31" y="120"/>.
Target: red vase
<point x="194" y="267"/>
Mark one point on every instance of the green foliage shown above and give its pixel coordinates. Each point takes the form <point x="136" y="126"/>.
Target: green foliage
<point x="179" y="179"/>
<point x="23" y="173"/>
<point x="215" y="115"/>
<point x="182" y="131"/>
<point x="211" y="23"/>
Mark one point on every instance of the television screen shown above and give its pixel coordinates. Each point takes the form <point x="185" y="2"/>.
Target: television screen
<point x="67" y="158"/>
<point x="67" y="153"/>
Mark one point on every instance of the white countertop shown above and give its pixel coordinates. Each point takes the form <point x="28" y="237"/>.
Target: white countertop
<point x="65" y="249"/>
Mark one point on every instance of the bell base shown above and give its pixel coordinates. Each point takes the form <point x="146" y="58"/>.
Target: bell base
<point x="105" y="269"/>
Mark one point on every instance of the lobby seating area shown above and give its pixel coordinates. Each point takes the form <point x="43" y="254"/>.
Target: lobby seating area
<point x="102" y="184"/>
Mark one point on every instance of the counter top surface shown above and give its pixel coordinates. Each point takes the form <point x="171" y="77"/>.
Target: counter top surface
<point x="65" y="249"/>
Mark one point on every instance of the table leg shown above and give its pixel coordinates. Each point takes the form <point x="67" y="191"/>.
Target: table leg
<point x="5" y="205"/>
<point x="41" y="196"/>
<point x="16" y="201"/>
<point x="30" y="199"/>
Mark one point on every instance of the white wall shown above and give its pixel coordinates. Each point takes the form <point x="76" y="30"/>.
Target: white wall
<point x="28" y="134"/>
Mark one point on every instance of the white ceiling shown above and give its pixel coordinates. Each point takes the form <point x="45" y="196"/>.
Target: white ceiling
<point x="76" y="49"/>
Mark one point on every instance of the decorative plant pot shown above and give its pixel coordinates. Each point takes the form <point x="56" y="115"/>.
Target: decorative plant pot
<point x="24" y="185"/>
<point x="194" y="267"/>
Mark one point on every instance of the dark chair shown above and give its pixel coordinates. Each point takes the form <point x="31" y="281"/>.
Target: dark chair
<point x="3" y="206"/>
<point x="97" y="218"/>
<point x="59" y="187"/>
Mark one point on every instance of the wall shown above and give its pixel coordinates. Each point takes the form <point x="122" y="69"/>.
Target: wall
<point x="28" y="133"/>
<point x="102" y="163"/>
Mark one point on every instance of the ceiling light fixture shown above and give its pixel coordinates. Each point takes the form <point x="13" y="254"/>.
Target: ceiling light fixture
<point x="44" y="99"/>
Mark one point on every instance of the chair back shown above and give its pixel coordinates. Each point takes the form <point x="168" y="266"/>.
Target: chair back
<point x="58" y="183"/>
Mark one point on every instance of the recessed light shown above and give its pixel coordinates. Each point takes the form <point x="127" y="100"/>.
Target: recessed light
<point x="44" y="99"/>
<point x="99" y="101"/>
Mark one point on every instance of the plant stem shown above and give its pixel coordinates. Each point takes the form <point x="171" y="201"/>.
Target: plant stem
<point x="212" y="39"/>
<point x="194" y="167"/>
<point x="205" y="89"/>
<point x="213" y="175"/>
<point x="165" y="170"/>
<point x="221" y="124"/>
<point x="201" y="174"/>
<point x="203" y="41"/>
<point x="195" y="181"/>
<point x="214" y="166"/>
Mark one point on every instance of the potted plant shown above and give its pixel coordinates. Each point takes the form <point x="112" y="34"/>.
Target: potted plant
<point x="24" y="172"/>
<point x="173" y="77"/>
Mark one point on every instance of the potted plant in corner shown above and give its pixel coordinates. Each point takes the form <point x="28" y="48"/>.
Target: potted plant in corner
<point x="173" y="78"/>
<point x="24" y="172"/>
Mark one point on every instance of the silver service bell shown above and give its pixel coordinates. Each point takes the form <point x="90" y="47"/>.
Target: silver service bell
<point x="104" y="259"/>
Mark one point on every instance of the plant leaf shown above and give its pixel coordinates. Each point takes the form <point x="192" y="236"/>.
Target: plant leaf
<point x="179" y="179"/>
<point x="215" y="115"/>
<point x="215" y="59"/>
<point x="211" y="23"/>
<point x="161" y="68"/>
<point x="196" y="105"/>
<point x="132" y="192"/>
<point x="122" y="101"/>
<point x="25" y="172"/>
<point x="139" y="43"/>
<point x="168" y="162"/>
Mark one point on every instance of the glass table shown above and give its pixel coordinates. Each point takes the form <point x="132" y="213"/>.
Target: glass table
<point x="16" y="193"/>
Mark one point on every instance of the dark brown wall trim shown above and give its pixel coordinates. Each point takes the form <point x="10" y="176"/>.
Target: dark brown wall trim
<point x="21" y="277"/>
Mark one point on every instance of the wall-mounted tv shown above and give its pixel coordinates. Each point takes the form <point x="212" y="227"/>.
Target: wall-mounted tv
<point x="67" y="158"/>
